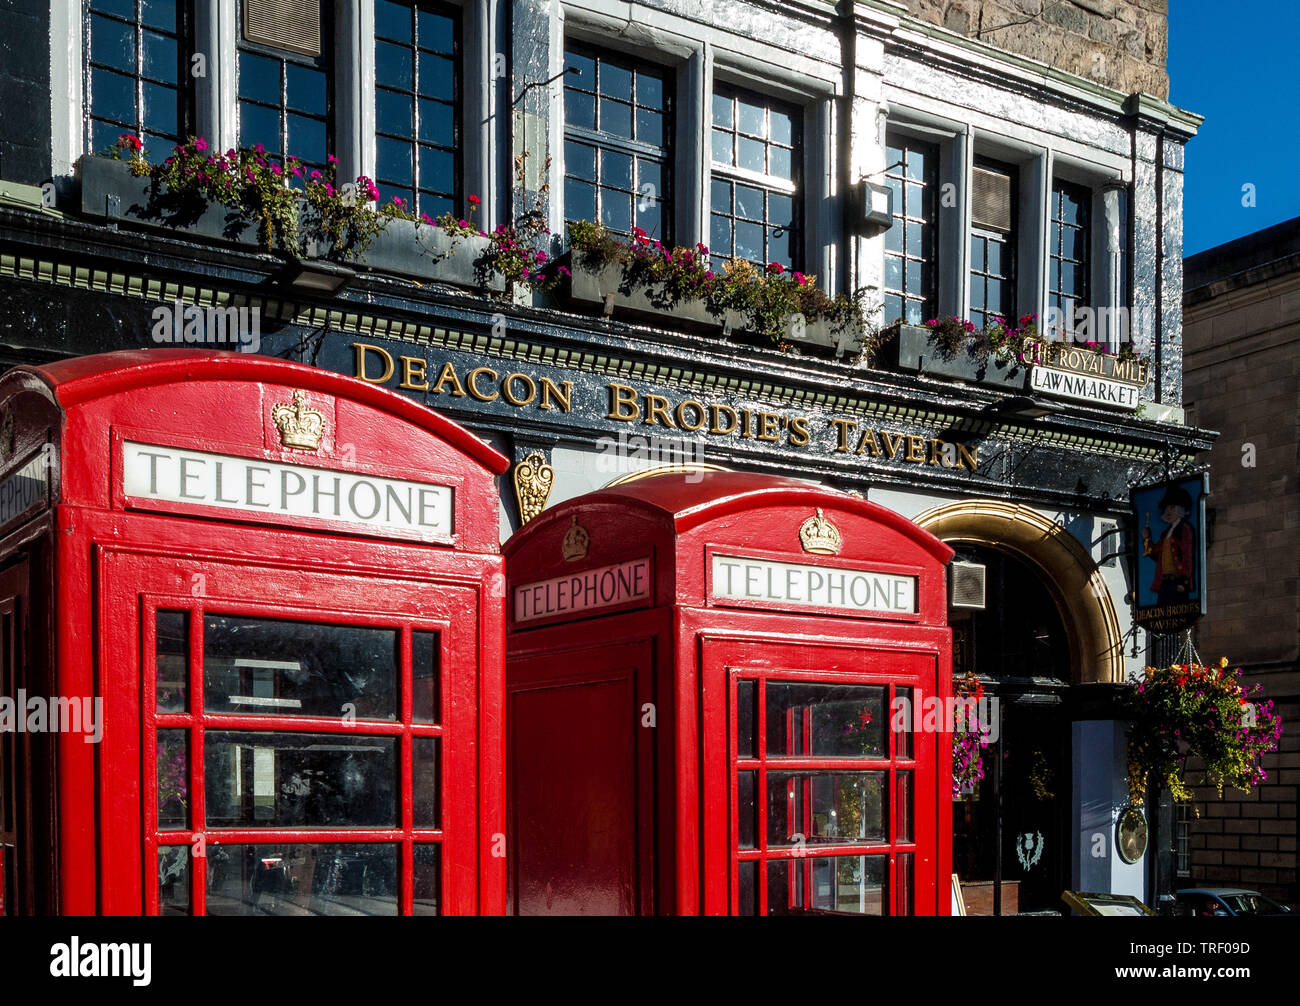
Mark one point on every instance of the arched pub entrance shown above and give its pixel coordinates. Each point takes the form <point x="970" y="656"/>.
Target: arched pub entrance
<point x="1049" y="623"/>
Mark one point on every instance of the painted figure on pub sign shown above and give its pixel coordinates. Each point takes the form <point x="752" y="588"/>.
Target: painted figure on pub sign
<point x="1170" y="559"/>
<point x="1175" y="551"/>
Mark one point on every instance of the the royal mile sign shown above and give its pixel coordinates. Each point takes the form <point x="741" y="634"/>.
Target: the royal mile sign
<point x="1085" y="375"/>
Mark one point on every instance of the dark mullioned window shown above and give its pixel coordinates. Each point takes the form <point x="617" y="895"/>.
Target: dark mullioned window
<point x="911" y="243"/>
<point x="618" y="129"/>
<point x="417" y="99"/>
<point x="1067" y="274"/>
<point x="755" y="210"/>
<point x="285" y="98"/>
<point x="136" y="71"/>
<point x="993" y="244"/>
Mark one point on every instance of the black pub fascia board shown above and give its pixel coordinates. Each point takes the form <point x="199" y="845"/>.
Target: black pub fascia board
<point x="194" y="263"/>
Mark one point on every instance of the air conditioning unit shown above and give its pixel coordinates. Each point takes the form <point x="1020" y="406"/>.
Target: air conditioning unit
<point x="966" y="586"/>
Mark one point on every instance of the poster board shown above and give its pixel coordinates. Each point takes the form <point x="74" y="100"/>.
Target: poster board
<point x="1089" y="903"/>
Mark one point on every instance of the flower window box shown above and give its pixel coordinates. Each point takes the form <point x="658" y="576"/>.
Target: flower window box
<point x="113" y="192"/>
<point x="911" y="349"/>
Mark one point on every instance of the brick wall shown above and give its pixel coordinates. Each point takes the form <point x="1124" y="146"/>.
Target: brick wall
<point x="1119" y="43"/>
<point x="1242" y="377"/>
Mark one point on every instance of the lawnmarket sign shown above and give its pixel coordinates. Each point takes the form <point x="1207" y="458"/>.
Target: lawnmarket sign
<point x="1085" y="375"/>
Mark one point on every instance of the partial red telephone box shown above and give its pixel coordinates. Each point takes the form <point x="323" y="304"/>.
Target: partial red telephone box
<point x="260" y="606"/>
<point x="715" y="687"/>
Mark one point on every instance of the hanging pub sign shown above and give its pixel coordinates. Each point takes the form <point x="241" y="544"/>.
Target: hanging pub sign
<point x="1085" y="374"/>
<point x="1169" y="553"/>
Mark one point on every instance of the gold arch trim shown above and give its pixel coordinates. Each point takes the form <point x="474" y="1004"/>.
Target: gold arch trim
<point x="689" y="466"/>
<point x="1076" y="584"/>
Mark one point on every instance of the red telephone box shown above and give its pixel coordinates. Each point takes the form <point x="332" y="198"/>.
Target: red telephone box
<point x="260" y="606"/>
<point x="715" y="684"/>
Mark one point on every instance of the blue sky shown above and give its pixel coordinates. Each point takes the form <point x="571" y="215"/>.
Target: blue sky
<point x="1237" y="64"/>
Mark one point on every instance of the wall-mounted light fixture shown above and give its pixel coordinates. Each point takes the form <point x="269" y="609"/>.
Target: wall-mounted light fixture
<point x="877" y="202"/>
<point x="312" y="276"/>
<point x="1020" y="407"/>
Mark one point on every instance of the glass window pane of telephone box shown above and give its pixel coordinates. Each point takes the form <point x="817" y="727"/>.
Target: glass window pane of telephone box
<point x="261" y="771"/>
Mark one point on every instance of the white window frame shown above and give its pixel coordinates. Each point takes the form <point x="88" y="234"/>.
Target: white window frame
<point x="216" y="95"/>
<point x="952" y="257"/>
<point x="1105" y="244"/>
<point x="699" y="61"/>
<point x="1030" y="162"/>
<point x="821" y="213"/>
<point x="682" y="60"/>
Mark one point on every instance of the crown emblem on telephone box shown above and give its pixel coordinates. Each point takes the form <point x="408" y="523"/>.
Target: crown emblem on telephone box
<point x="575" y="543"/>
<point x="819" y="535"/>
<point x="300" y="427"/>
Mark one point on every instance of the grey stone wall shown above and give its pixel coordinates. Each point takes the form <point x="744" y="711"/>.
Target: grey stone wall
<point x="1118" y="43"/>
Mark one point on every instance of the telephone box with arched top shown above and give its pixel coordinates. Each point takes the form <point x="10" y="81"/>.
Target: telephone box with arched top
<point x="715" y="686"/>
<point x="257" y="607"/>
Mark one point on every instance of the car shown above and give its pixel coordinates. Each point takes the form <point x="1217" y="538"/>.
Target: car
<point x="1227" y="901"/>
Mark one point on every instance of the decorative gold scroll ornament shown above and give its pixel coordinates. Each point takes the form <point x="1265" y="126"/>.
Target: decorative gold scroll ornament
<point x="300" y="427"/>
<point x="818" y="535"/>
<point x="575" y="543"/>
<point x="533" y="481"/>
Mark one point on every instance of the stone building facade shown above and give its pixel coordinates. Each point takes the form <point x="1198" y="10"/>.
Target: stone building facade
<point x="1121" y="44"/>
<point x="1242" y="332"/>
<point x="891" y="146"/>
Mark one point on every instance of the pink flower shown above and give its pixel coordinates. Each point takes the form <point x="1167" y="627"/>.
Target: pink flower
<point x="275" y="169"/>
<point x="775" y="268"/>
<point x="260" y="149"/>
<point x="315" y="176"/>
<point x="200" y="144"/>
<point x="331" y="159"/>
<point x="474" y="200"/>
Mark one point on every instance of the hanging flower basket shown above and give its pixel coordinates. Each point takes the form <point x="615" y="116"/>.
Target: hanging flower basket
<point x="1187" y="710"/>
<point x="969" y="737"/>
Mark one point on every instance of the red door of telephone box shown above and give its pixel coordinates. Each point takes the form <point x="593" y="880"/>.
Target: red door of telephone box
<point x="715" y="688"/>
<point x="261" y="616"/>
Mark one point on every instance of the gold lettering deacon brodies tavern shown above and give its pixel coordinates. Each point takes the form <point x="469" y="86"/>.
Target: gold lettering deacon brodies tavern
<point x="626" y="404"/>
